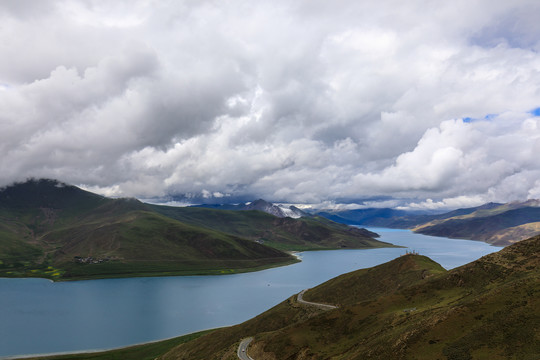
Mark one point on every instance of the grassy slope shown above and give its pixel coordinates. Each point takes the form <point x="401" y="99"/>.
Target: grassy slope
<point x="515" y="233"/>
<point x="281" y="233"/>
<point x="486" y="309"/>
<point x="224" y="341"/>
<point x="487" y="225"/>
<point x="380" y="280"/>
<point x="154" y="243"/>
<point x="145" y="243"/>
<point x="44" y="225"/>
<point x="409" y="308"/>
<point x="26" y="213"/>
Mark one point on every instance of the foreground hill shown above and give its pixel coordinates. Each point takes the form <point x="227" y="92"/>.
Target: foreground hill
<point x="497" y="224"/>
<point x="49" y="229"/>
<point x="408" y="308"/>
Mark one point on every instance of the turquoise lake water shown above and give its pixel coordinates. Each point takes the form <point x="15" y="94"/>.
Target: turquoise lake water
<point x="38" y="316"/>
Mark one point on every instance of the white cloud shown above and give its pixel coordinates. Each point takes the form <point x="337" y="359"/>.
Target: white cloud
<point x="295" y="102"/>
<point x="446" y="204"/>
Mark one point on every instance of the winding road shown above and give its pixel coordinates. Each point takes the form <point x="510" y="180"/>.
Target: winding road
<point x="301" y="300"/>
<point x="243" y="347"/>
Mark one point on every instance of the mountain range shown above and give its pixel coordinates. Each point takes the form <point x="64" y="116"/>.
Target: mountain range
<point x="262" y="205"/>
<point x="58" y="231"/>
<point x="494" y="223"/>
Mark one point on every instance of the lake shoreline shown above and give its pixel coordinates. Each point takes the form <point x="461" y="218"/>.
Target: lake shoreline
<point x="68" y="317"/>
<point x="109" y="352"/>
<point x="210" y="272"/>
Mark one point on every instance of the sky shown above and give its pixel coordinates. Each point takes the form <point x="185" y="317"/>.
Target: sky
<point x="345" y="103"/>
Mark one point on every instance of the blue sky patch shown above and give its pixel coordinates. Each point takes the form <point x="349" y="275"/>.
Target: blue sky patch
<point x="535" y="112"/>
<point x="488" y="117"/>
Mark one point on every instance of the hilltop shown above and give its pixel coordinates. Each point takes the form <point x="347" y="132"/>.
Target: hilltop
<point x="54" y="230"/>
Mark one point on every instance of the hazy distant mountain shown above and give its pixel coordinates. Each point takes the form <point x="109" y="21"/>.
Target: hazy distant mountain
<point x="503" y="224"/>
<point x="499" y="224"/>
<point x="262" y="205"/>
<point x="368" y="217"/>
<point x="393" y="218"/>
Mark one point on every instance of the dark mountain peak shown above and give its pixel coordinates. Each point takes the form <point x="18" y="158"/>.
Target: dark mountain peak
<point x="122" y="205"/>
<point x="489" y="205"/>
<point x="276" y="210"/>
<point x="45" y="193"/>
<point x="294" y="208"/>
<point x="33" y="183"/>
<point x="259" y="203"/>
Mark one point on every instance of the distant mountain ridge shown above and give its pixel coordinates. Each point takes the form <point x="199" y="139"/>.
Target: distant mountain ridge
<point x="262" y="205"/>
<point x="285" y="233"/>
<point x="494" y="223"/>
<point x="502" y="225"/>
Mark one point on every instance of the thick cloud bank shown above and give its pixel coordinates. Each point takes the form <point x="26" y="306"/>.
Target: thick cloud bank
<point x="423" y="104"/>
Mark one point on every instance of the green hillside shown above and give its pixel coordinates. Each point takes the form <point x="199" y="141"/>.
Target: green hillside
<point x="53" y="230"/>
<point x="312" y="233"/>
<point x="409" y="308"/>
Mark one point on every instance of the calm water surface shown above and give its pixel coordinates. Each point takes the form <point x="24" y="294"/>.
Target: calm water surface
<point x="38" y="316"/>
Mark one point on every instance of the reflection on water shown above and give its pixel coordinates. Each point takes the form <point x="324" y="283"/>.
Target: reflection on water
<point x="38" y="316"/>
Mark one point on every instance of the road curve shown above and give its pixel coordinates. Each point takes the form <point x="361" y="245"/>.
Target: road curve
<point x="242" y="349"/>
<point x="322" y="306"/>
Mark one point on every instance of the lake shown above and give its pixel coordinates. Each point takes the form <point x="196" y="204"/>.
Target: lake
<point x="39" y="316"/>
